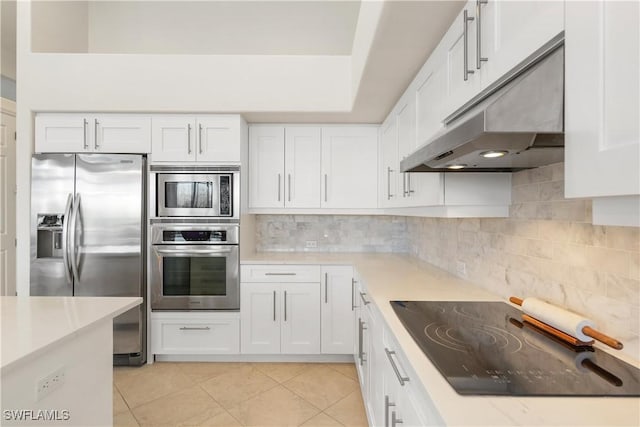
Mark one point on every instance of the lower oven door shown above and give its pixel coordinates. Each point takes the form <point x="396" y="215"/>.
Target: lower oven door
<point x="195" y="277"/>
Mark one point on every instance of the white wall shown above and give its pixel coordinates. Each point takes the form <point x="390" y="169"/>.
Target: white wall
<point x="8" y="39"/>
<point x="60" y="26"/>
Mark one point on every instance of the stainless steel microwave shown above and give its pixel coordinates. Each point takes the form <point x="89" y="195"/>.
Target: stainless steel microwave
<point x="196" y="192"/>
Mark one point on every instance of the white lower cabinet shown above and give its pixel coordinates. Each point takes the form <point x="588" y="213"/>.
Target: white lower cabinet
<point x="337" y="310"/>
<point x="195" y="333"/>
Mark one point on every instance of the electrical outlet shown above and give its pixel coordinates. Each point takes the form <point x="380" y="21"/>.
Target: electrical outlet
<point x="50" y="383"/>
<point x="311" y="244"/>
<point x="461" y="269"/>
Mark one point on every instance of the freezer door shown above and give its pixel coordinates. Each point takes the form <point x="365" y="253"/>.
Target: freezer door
<point x="107" y="236"/>
<point x="52" y="189"/>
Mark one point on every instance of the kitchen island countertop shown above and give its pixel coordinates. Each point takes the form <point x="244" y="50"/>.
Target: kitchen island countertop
<point x="402" y="277"/>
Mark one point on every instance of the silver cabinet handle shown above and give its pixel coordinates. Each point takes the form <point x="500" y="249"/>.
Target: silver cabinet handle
<point x="410" y="191"/>
<point x="274" y="306"/>
<point x="362" y="294"/>
<point x="285" y="306"/>
<point x="326" y="288"/>
<point x="279" y="187"/>
<point x="199" y="138"/>
<point x="279" y="274"/>
<point x="189" y="138"/>
<point x="95" y="133"/>
<point x="72" y="238"/>
<point x="85" y="122"/>
<point x="289" y="185"/>
<point x="405" y="192"/>
<point x="395" y="420"/>
<point x="325" y="187"/>
<point x="65" y="238"/>
<point x="479" y="58"/>
<point x="353" y="298"/>
<point x="390" y="354"/>
<point x="466" y="18"/>
<point x="189" y="328"/>
<point x="389" y="195"/>
<point x="361" y="329"/>
<point x="387" y="405"/>
<point x="214" y="250"/>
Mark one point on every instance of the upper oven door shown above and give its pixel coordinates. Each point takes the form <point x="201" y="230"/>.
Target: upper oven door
<point x="181" y="194"/>
<point x="195" y="277"/>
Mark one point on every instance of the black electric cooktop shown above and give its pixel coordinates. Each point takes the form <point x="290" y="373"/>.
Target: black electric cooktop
<point x="484" y="348"/>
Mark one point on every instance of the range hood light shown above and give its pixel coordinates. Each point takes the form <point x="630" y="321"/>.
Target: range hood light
<point x="455" y="167"/>
<point x="492" y="154"/>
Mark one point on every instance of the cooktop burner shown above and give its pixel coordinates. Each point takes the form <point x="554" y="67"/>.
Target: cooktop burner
<point x="484" y="348"/>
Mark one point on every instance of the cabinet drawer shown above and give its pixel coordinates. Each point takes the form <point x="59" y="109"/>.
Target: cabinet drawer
<point x="279" y="273"/>
<point x="195" y="333"/>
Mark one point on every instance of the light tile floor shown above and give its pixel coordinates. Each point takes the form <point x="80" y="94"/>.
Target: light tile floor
<point x="238" y="394"/>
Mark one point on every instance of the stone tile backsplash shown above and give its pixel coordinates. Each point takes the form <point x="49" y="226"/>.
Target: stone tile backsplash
<point x="547" y="248"/>
<point x="332" y="233"/>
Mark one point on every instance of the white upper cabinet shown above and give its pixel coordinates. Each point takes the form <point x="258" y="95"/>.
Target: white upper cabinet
<point x="430" y="93"/>
<point x="390" y="165"/>
<point x="266" y="166"/>
<point x="219" y="139"/>
<point x="213" y="139"/>
<point x="87" y="133"/>
<point x="349" y="167"/>
<point x="602" y="108"/>
<point x="302" y="167"/>
<point x="509" y="31"/>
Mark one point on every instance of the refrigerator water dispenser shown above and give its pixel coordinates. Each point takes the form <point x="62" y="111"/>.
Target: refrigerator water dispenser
<point x="49" y="238"/>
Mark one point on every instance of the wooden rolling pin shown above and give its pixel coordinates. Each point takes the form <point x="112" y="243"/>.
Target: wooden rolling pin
<point x="557" y="320"/>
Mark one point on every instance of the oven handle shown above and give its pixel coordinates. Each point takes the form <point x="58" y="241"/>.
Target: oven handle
<point x="194" y="252"/>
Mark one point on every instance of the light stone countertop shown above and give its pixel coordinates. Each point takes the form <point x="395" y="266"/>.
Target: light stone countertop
<point x="396" y="277"/>
<point x="32" y="325"/>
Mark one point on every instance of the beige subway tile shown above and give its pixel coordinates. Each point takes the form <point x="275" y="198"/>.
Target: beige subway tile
<point x="495" y="225"/>
<point x="515" y="245"/>
<point x="521" y="178"/>
<point x="570" y="210"/>
<point x="627" y="238"/>
<point x="523" y="211"/>
<point x="539" y="248"/>
<point x="557" y="172"/>
<point x="556" y="231"/>
<point x="525" y="193"/>
<point x="541" y="174"/>
<point x="623" y="289"/>
<point x="544" y="210"/>
<point x="634" y="266"/>
<point x="570" y="254"/>
<point x="522" y="228"/>
<point x="469" y="224"/>
<point x="587" y="234"/>
<point x="552" y="190"/>
<point x="608" y="260"/>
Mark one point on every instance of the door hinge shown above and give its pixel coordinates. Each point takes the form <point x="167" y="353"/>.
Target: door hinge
<point x="15" y="136"/>
<point x="15" y="241"/>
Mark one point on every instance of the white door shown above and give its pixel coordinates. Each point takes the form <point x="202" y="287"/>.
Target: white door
<point x="266" y="166"/>
<point x="119" y="133"/>
<point x="512" y="30"/>
<point x="337" y="310"/>
<point x="462" y="80"/>
<point x="7" y="199"/>
<point x="430" y="95"/>
<point x="349" y="167"/>
<point x="173" y="139"/>
<point x="300" y="318"/>
<point x="218" y="139"/>
<point x="302" y="167"/>
<point x="389" y="161"/>
<point x="62" y="133"/>
<point x="602" y="124"/>
<point x="260" y="318"/>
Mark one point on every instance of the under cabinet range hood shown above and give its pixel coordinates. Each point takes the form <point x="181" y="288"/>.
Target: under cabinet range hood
<point x="516" y="123"/>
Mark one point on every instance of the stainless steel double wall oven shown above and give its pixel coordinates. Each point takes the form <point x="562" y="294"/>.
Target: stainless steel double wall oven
<point x="194" y="244"/>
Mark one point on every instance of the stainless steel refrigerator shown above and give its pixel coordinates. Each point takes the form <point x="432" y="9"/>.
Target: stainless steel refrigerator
<point x="87" y="235"/>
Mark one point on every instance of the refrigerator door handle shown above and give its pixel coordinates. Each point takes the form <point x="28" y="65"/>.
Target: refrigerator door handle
<point x="65" y="238"/>
<point x="72" y="235"/>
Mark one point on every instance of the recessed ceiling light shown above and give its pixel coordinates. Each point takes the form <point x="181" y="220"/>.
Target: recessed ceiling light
<point x="461" y="166"/>
<point x="493" y="154"/>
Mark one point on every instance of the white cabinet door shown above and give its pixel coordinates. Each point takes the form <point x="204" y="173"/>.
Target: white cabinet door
<point x="266" y="166"/>
<point x="218" y="139"/>
<point x="512" y="30"/>
<point x="121" y="133"/>
<point x="62" y="133"/>
<point x="406" y="124"/>
<point x="389" y="161"/>
<point x="602" y="106"/>
<point x="337" y="307"/>
<point x="173" y="139"/>
<point x="302" y="167"/>
<point x="300" y="318"/>
<point x="260" y="308"/>
<point x="349" y="167"/>
<point x="462" y="82"/>
<point x="430" y="98"/>
<point x="376" y="359"/>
